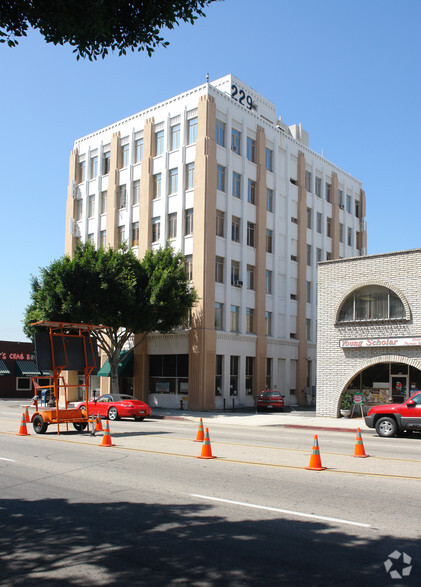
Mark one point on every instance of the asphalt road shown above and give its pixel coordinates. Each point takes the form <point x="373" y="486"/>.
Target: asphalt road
<point x="148" y="512"/>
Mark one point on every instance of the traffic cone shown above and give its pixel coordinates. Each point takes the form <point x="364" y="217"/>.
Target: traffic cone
<point x="106" y="439"/>
<point x="98" y="425"/>
<point x="22" y="430"/>
<point x="27" y="418"/>
<point x="200" y="434"/>
<point x="359" y="446"/>
<point x="315" y="460"/>
<point x="206" y="448"/>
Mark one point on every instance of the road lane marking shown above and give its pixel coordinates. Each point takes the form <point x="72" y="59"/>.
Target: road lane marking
<point x="282" y="511"/>
<point x="10" y="460"/>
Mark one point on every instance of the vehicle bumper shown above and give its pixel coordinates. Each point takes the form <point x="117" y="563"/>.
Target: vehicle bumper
<point x="369" y="420"/>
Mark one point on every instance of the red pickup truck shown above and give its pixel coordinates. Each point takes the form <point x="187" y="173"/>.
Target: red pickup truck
<point x="390" y="419"/>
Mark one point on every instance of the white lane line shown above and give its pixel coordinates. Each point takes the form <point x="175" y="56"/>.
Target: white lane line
<point x="4" y="459"/>
<point x="280" y="511"/>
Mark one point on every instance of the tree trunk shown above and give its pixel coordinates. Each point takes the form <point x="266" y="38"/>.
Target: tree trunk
<point x="114" y="373"/>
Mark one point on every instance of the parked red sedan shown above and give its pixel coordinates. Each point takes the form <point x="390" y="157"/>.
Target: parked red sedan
<point x="270" y="400"/>
<point x="114" y="406"/>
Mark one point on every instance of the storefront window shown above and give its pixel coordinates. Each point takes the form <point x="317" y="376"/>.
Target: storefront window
<point x="372" y="303"/>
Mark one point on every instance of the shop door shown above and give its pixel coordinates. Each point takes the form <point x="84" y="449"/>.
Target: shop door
<point x="399" y="388"/>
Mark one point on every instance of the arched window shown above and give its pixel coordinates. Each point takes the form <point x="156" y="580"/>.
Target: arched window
<point x="371" y="303"/>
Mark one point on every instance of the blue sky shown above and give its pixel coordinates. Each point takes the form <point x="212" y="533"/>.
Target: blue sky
<point x="349" y="71"/>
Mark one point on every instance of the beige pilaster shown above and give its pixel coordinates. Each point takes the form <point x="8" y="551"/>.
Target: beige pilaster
<point x="69" y="240"/>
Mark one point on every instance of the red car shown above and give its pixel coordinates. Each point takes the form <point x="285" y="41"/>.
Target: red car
<point x="114" y="406"/>
<point x="270" y="400"/>
<point x="391" y="419"/>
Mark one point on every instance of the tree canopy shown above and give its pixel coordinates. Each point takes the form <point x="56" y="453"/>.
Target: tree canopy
<point x="115" y="289"/>
<point x="95" y="27"/>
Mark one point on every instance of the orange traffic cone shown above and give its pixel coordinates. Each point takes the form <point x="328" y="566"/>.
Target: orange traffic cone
<point x="22" y="430"/>
<point x="359" y="446"/>
<point x="315" y="460"/>
<point x="106" y="439"/>
<point x="206" y="448"/>
<point x="27" y="418"/>
<point x="200" y="434"/>
<point x="98" y="425"/>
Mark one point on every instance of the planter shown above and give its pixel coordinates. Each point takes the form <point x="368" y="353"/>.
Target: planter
<point x="346" y="413"/>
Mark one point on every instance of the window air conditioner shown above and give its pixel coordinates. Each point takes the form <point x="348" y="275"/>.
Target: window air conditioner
<point x="238" y="283"/>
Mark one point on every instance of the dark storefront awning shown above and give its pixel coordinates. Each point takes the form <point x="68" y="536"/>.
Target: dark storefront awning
<point x="3" y="369"/>
<point x="27" y="369"/>
<point x="125" y="361"/>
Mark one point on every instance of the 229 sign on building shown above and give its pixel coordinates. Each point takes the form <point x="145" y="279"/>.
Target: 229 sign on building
<point x="241" y="97"/>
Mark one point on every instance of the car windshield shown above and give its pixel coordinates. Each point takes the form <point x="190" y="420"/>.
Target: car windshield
<point x="120" y="397"/>
<point x="270" y="394"/>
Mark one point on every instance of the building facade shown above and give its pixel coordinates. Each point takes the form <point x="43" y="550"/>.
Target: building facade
<point x="252" y="208"/>
<point x="17" y="367"/>
<point x="369" y="330"/>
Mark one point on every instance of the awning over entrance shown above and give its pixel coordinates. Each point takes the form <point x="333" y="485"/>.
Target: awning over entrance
<point x="3" y="369"/>
<point x="124" y="363"/>
<point x="27" y="369"/>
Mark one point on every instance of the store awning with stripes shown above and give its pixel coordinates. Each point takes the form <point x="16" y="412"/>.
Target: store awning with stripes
<point x="26" y="369"/>
<point x="3" y="369"/>
<point x="125" y="363"/>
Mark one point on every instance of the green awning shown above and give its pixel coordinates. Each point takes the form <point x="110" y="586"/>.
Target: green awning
<point x="27" y="369"/>
<point x="3" y="369"/>
<point x="125" y="362"/>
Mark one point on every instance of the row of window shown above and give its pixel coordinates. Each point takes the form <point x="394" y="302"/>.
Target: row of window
<point x="329" y="227"/>
<point x="344" y="202"/>
<point x="236" y="231"/>
<point x="234" y="371"/>
<point x="220" y="137"/>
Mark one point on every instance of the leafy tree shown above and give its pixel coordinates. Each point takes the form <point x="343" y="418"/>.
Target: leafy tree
<point x="113" y="288"/>
<point x="94" y="27"/>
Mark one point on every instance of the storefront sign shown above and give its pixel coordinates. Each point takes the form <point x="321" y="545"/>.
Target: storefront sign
<point x="379" y="342"/>
<point x="17" y="356"/>
<point x="358" y="398"/>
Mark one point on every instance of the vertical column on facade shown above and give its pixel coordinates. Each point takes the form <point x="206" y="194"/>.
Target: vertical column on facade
<point x="260" y="263"/>
<point x="140" y="365"/>
<point x="202" y="338"/>
<point x="301" y="376"/>
<point x="335" y="216"/>
<point x="69" y="241"/>
<point x="113" y="180"/>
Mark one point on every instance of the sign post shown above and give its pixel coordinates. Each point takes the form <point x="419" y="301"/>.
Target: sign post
<point x="357" y="400"/>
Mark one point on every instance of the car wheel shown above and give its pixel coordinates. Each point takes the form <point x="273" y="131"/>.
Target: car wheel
<point x="112" y="413"/>
<point x="79" y="426"/>
<point x="139" y="418"/>
<point x="82" y="408"/>
<point x="386" y="427"/>
<point x="40" y="427"/>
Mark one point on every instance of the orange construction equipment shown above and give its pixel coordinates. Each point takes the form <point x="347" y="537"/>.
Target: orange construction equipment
<point x="200" y="434"/>
<point x="206" y="448"/>
<point x="98" y="425"/>
<point x="22" y="430"/>
<point x="315" y="460"/>
<point x="359" y="446"/>
<point x="27" y="418"/>
<point x="106" y="439"/>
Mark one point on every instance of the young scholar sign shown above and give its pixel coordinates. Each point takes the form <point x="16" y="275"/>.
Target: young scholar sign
<point x="379" y="342"/>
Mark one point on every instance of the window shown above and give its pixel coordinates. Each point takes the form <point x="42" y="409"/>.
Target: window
<point x="172" y="225"/>
<point x="349" y="237"/>
<point x="220" y="178"/>
<point x="348" y="203"/>
<point x="268" y="323"/>
<point x="308" y="181"/>
<point x="235" y="319"/>
<point x="308" y="292"/>
<point x="319" y="222"/>
<point x="189" y="176"/>
<point x="156" y="229"/>
<point x="82" y="171"/>
<point x="173" y="181"/>
<point x="218" y="374"/>
<point x="269" y="240"/>
<point x="121" y="234"/>
<point x="188" y="266"/>
<point x="220" y="133"/>
<point x="308" y="328"/>
<point x="219" y="315"/>
<point x="93" y="172"/>
<point x="251" y="191"/>
<point x="341" y="232"/>
<point x="105" y="162"/>
<point x="235" y="272"/>
<point x="91" y="206"/>
<point x="91" y="238"/>
<point x="372" y="303"/>
<point x="234" y="362"/>
<point x="268" y="282"/>
<point x="135" y="234"/>
<point x="236" y="185"/>
<point x="250" y="276"/>
<point x="329" y="227"/>
<point x="136" y="191"/>
<point x="269" y="200"/>
<point x="156" y="187"/>
<point x="192" y="131"/>
<point x="328" y="192"/>
<point x="122" y="197"/>
<point x="138" y="150"/>
<point x="124" y="155"/>
<point x="309" y="218"/>
<point x="188" y="221"/>
<point x="251" y="149"/>
<point x="250" y="320"/>
<point x="236" y="141"/>
<point x="268" y="373"/>
<point x="103" y="203"/>
<point x="235" y="229"/>
<point x="159" y="142"/>
<point x="318" y="186"/>
<point x="309" y="255"/>
<point x="251" y="230"/>
<point x="269" y="159"/>
<point x="341" y="198"/>
<point x="249" y="375"/>
<point x="318" y="255"/>
<point x="175" y="137"/>
<point x="103" y="239"/>
<point x="220" y="223"/>
<point x="219" y="270"/>
<point x="357" y="209"/>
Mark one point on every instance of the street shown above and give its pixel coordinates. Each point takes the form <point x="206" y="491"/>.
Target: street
<point x="148" y="512"/>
